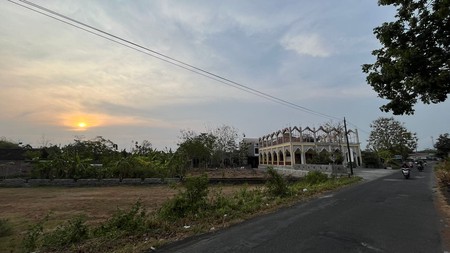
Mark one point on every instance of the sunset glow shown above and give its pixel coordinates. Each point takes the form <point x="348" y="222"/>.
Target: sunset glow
<point x="81" y="121"/>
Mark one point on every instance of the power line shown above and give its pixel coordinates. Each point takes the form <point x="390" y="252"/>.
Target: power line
<point x="127" y="43"/>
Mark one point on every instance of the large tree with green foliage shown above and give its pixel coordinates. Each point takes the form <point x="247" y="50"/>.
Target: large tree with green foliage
<point x="442" y="145"/>
<point x="389" y="137"/>
<point x="414" y="60"/>
<point x="196" y="149"/>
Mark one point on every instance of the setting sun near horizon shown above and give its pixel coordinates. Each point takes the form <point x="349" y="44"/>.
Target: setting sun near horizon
<point x="81" y="121"/>
<point x="82" y="125"/>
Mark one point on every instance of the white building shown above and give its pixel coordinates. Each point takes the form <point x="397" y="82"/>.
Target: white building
<point x="293" y="147"/>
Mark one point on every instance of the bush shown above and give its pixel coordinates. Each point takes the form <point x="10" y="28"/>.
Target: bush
<point x="248" y="201"/>
<point x="316" y="177"/>
<point x="5" y="227"/>
<point x="191" y="201"/>
<point x="443" y="173"/>
<point x="276" y="184"/>
<point x="74" y="232"/>
<point x="31" y="239"/>
<point x="132" y="221"/>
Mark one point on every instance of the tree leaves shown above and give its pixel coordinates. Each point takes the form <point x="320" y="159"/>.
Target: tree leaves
<point x="390" y="135"/>
<point x="442" y="145"/>
<point x="414" y="61"/>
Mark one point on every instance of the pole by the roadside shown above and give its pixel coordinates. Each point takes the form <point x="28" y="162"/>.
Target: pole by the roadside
<point x="348" y="148"/>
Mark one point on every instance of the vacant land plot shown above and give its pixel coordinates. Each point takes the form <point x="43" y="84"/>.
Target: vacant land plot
<point x="26" y="206"/>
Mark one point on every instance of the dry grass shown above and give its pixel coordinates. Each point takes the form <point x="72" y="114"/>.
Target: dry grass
<point x="26" y="206"/>
<point x="442" y="203"/>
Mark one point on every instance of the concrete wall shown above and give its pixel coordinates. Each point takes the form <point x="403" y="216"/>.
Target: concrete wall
<point x="300" y="170"/>
<point x="20" y="182"/>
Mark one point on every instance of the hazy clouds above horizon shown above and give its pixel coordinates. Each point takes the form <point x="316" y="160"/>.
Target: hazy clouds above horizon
<point x="58" y="81"/>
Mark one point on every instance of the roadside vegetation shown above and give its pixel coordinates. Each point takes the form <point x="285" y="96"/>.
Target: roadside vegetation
<point x="442" y="146"/>
<point x="443" y="173"/>
<point x="196" y="208"/>
<point x="100" y="158"/>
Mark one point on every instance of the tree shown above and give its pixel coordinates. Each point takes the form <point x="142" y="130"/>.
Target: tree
<point x="443" y="145"/>
<point x="98" y="149"/>
<point x="414" y="60"/>
<point x="144" y="148"/>
<point x="390" y="135"/>
<point x="225" y="143"/>
<point x="196" y="148"/>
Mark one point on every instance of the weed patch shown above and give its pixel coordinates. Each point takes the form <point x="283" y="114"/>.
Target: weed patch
<point x="316" y="177"/>
<point x="33" y="235"/>
<point x="191" y="201"/>
<point x="131" y="221"/>
<point x="5" y="228"/>
<point x="73" y="232"/>
<point x="442" y="171"/>
<point x="276" y="184"/>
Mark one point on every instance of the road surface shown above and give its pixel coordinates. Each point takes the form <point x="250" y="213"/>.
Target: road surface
<point x="384" y="214"/>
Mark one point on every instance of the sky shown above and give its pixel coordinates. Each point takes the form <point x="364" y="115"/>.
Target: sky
<point x="59" y="82"/>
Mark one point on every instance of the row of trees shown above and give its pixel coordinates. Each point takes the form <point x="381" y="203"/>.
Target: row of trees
<point x="100" y="158"/>
<point x="219" y="147"/>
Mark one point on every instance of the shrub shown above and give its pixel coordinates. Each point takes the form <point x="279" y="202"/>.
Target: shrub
<point x="276" y="184"/>
<point x="74" y="232"/>
<point x="5" y="227"/>
<point x="443" y="173"/>
<point x="33" y="234"/>
<point x="316" y="177"/>
<point x="132" y="221"/>
<point x="220" y="203"/>
<point x="191" y="201"/>
<point x="248" y="201"/>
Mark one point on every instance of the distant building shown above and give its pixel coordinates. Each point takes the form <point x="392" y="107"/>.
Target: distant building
<point x="252" y="145"/>
<point x="420" y="156"/>
<point x="298" y="146"/>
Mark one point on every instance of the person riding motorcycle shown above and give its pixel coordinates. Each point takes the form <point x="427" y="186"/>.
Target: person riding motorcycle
<point x="406" y="170"/>
<point x="420" y="165"/>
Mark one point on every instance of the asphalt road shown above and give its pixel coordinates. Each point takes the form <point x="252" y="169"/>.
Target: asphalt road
<point x="383" y="214"/>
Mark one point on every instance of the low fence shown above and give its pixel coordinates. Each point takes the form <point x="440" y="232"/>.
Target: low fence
<point x="21" y="182"/>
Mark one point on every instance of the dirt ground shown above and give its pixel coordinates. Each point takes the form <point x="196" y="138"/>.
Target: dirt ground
<point x="96" y="202"/>
<point x="26" y="206"/>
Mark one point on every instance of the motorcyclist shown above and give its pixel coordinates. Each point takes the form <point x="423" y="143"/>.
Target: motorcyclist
<point x="420" y="165"/>
<point x="406" y="170"/>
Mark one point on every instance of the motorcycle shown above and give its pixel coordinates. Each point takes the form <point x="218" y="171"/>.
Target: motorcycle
<point x="406" y="172"/>
<point x="420" y="167"/>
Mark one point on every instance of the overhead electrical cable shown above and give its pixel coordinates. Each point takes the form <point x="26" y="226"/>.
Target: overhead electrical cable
<point x="132" y="45"/>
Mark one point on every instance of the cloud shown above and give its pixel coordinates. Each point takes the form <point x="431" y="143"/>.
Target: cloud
<point x="306" y="44"/>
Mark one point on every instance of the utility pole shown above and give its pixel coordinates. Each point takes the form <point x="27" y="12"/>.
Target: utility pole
<point x="348" y="148"/>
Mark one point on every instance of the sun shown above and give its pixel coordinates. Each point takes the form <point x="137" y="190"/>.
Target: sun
<point x="82" y="124"/>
